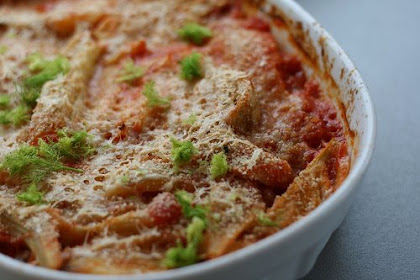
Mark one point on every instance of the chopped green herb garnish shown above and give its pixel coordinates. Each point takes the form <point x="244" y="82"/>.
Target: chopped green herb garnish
<point x="130" y="72"/>
<point x="38" y="80"/>
<point x="185" y="199"/>
<point x="182" y="152"/>
<point x="219" y="165"/>
<point x="153" y="97"/>
<point x="46" y="70"/>
<point x="74" y="146"/>
<point x="194" y="33"/>
<point x="36" y="62"/>
<point x="191" y="67"/>
<point x="16" y="116"/>
<point x="264" y="220"/>
<point x="4" y="101"/>
<point x="34" y="163"/>
<point x="47" y="151"/>
<point x="29" y="95"/>
<point x="190" y="120"/>
<point x="4" y="117"/>
<point x="19" y="115"/>
<point x="195" y="231"/>
<point x="182" y="256"/>
<point x="32" y="195"/>
<point x="29" y="91"/>
<point x="3" y="49"/>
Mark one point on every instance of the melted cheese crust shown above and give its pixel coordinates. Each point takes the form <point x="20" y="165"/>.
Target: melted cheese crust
<point x="284" y="143"/>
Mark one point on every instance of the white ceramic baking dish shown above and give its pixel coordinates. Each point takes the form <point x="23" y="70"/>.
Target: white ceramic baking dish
<point x="292" y="252"/>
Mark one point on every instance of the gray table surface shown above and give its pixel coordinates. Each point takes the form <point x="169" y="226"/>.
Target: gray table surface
<point x="380" y="237"/>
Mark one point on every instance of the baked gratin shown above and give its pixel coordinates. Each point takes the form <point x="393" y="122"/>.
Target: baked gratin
<point x="146" y="135"/>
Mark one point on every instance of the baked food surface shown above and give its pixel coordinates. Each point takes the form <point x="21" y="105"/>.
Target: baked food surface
<point x="147" y="135"/>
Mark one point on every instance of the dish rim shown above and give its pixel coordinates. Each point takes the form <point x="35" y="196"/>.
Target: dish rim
<point x="278" y="239"/>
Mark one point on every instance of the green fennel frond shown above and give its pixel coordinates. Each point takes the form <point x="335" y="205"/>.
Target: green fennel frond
<point x="33" y="164"/>
<point x="185" y="255"/>
<point x="194" y="33"/>
<point x="31" y="195"/>
<point x="264" y="220"/>
<point x="45" y="70"/>
<point x="153" y="97"/>
<point x="182" y="256"/>
<point x="130" y="72"/>
<point x="16" y="116"/>
<point x="185" y="199"/>
<point x="74" y="145"/>
<point x="190" y="120"/>
<point x="42" y="71"/>
<point x="219" y="165"/>
<point x="182" y="152"/>
<point x="28" y="95"/>
<point x="4" y="101"/>
<point x="191" y="68"/>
